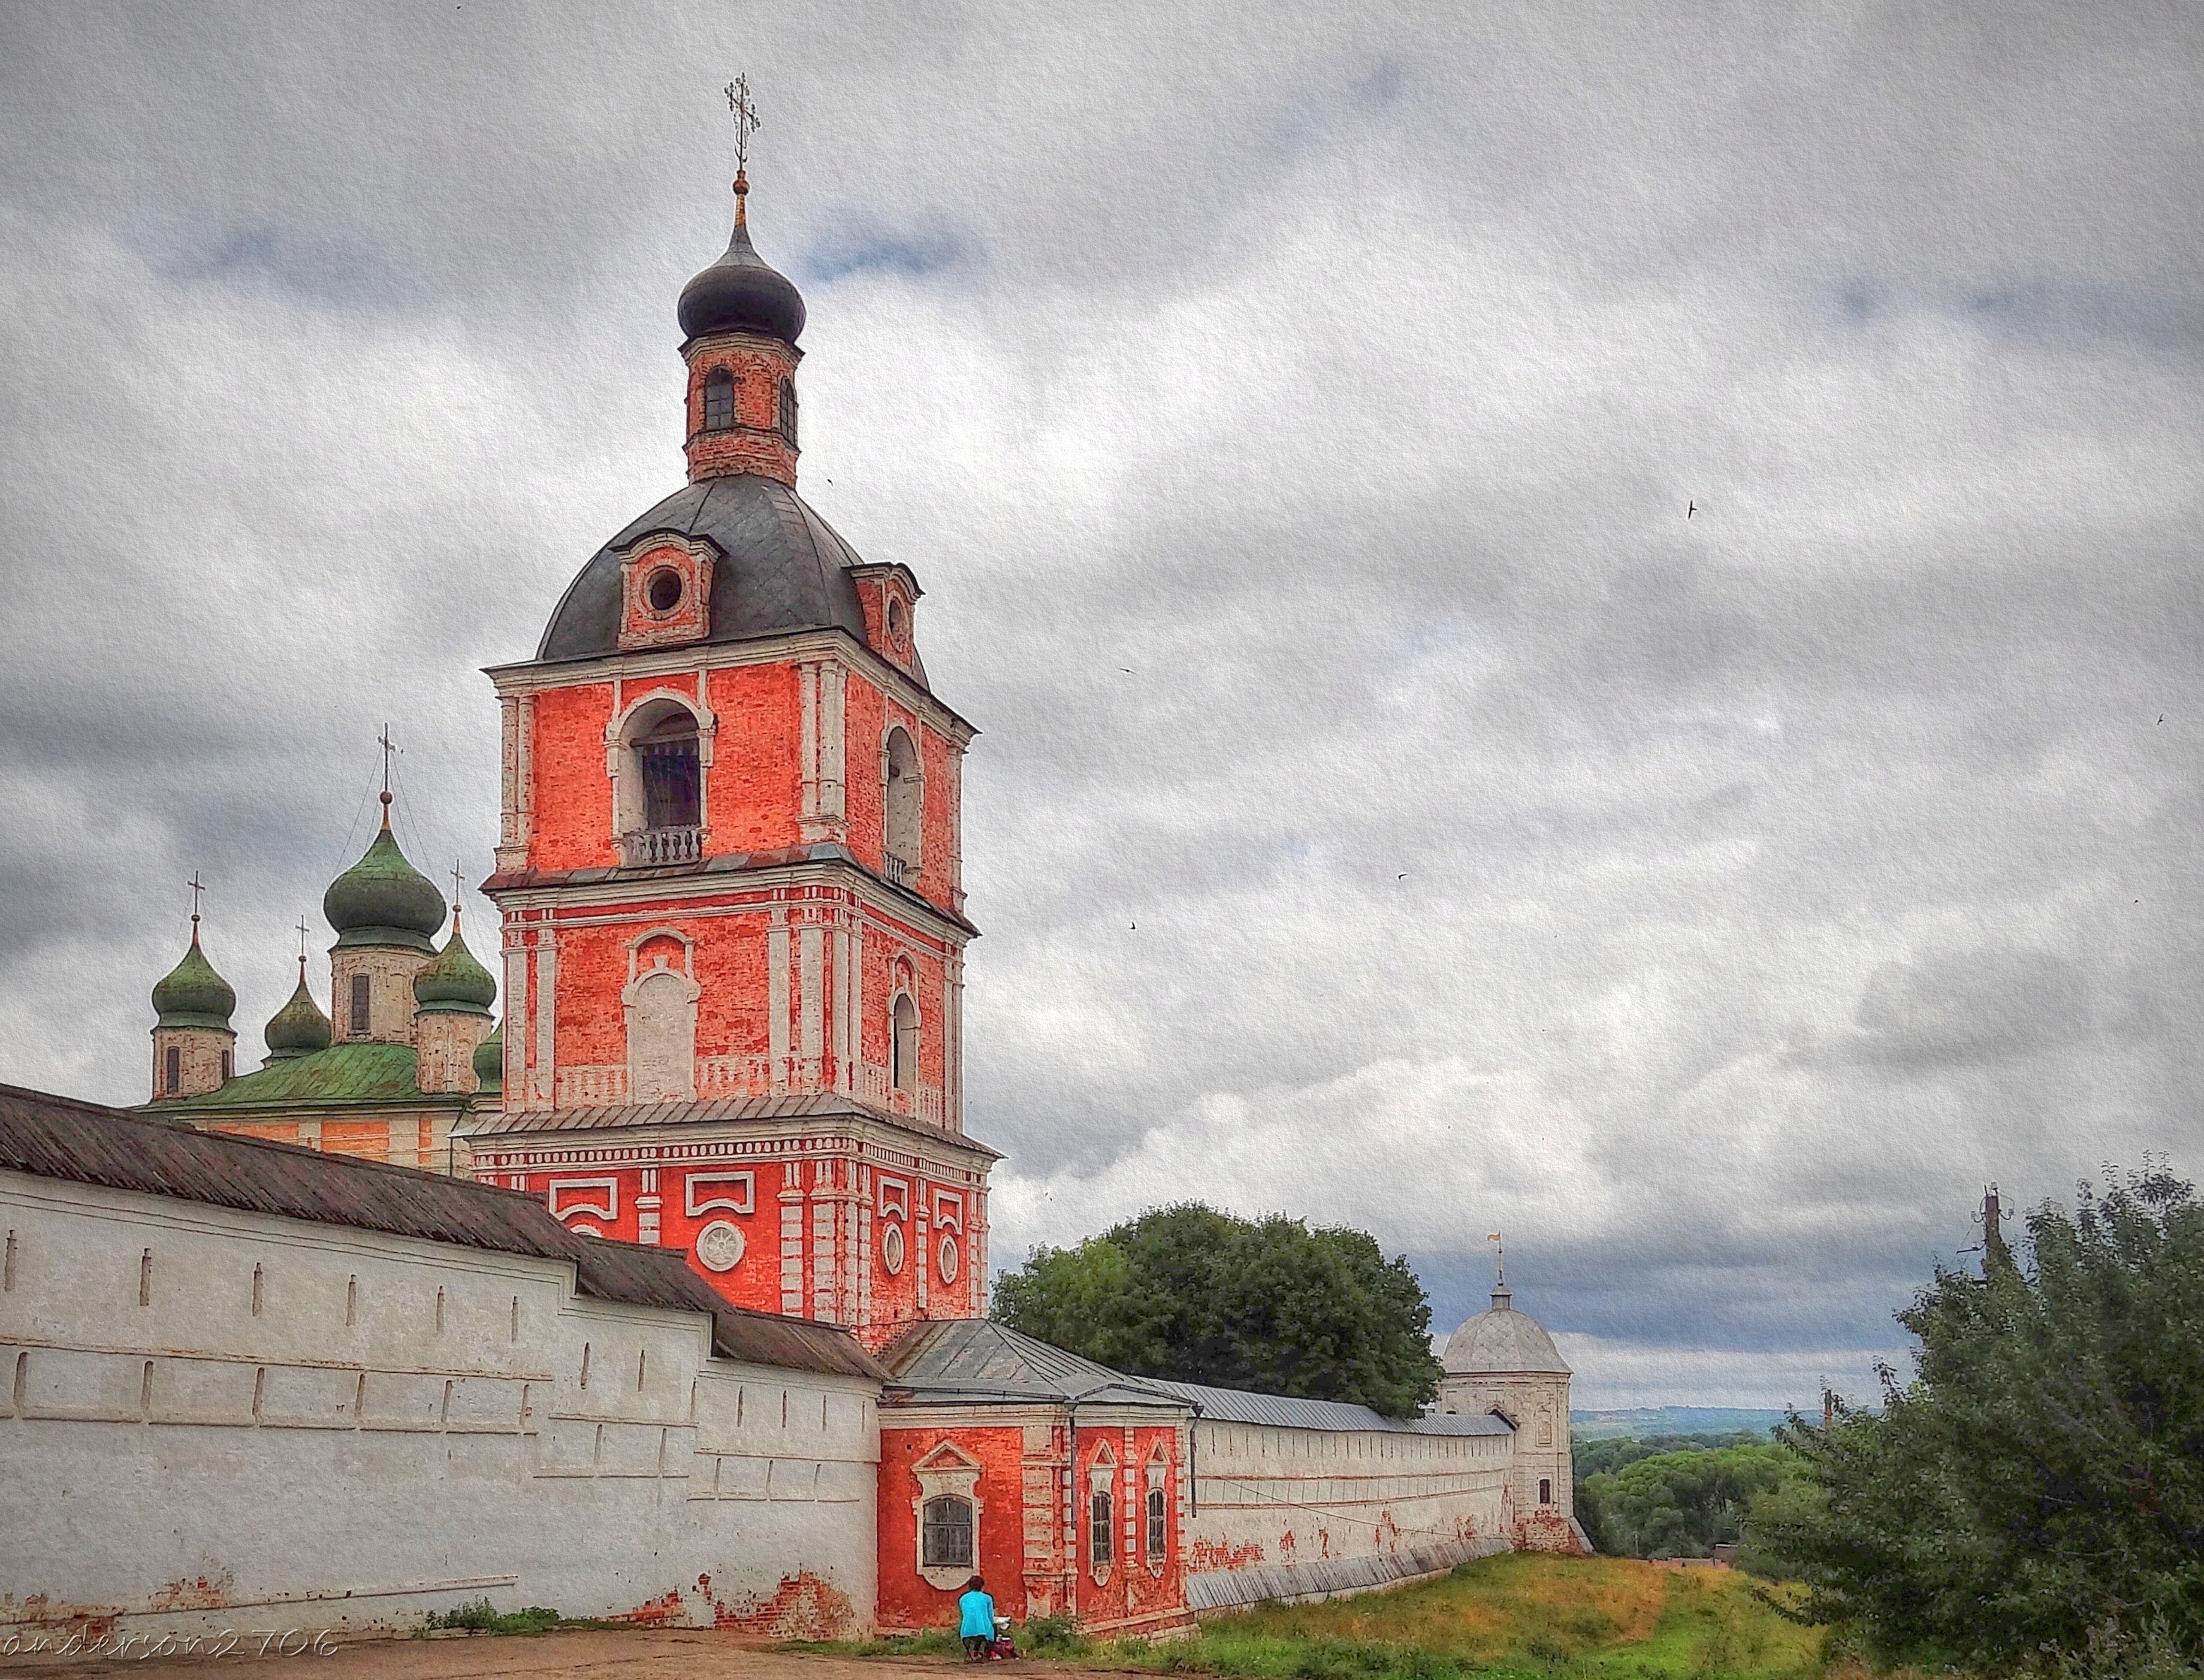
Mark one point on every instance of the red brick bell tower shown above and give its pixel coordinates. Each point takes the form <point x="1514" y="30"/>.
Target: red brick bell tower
<point x="730" y="875"/>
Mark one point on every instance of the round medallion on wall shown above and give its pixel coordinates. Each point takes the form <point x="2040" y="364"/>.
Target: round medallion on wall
<point x="948" y="1259"/>
<point x="720" y="1247"/>
<point x="891" y="1250"/>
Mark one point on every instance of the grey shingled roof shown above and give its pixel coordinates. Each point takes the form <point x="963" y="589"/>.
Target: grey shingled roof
<point x="58" y="1137"/>
<point x="781" y="568"/>
<point x="977" y="1359"/>
<point x="714" y="1111"/>
<point x="1287" y="1412"/>
<point x="1504" y="1342"/>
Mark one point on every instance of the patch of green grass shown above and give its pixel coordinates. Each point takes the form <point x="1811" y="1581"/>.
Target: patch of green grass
<point x="1514" y="1617"/>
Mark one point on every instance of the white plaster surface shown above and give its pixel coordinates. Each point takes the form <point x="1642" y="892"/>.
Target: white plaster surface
<point x="401" y="1426"/>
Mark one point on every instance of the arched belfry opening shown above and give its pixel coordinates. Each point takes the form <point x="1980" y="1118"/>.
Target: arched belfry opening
<point x="904" y="798"/>
<point x="658" y="795"/>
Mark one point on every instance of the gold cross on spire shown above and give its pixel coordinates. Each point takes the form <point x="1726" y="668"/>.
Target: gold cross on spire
<point x="745" y="117"/>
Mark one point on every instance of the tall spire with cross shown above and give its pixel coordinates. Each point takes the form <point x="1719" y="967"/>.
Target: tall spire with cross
<point x="197" y="888"/>
<point x="388" y="748"/>
<point x="1502" y="1295"/>
<point x="744" y="116"/>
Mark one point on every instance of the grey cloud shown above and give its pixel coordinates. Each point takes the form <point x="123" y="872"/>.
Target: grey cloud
<point x="1773" y="878"/>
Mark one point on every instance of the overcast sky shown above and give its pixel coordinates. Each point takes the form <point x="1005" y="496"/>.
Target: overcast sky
<point x="1391" y="807"/>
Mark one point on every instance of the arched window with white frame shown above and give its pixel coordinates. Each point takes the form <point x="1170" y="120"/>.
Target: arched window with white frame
<point x="658" y="793"/>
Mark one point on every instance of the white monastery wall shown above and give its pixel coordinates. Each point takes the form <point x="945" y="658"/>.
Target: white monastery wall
<point x="212" y="1419"/>
<point x="1538" y="1405"/>
<point x="1281" y="1512"/>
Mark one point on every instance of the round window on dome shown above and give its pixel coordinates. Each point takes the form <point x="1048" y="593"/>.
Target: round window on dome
<point x="663" y="589"/>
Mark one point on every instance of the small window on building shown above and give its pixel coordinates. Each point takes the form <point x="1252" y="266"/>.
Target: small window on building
<point x="1098" y="1546"/>
<point x="172" y="1071"/>
<point x="788" y="411"/>
<point x="1545" y="1491"/>
<point x="1157" y="1508"/>
<point x="229" y="1061"/>
<point x="718" y="400"/>
<point x="359" y="1003"/>
<point x="945" y="1534"/>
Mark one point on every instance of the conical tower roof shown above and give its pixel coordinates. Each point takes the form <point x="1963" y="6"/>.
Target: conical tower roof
<point x="299" y="1027"/>
<point x="455" y="984"/>
<point x="192" y="994"/>
<point x="383" y="900"/>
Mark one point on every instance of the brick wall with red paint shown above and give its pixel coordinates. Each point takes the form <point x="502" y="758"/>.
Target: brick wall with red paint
<point x="573" y="824"/>
<point x="907" y="1600"/>
<point x="1131" y="1592"/>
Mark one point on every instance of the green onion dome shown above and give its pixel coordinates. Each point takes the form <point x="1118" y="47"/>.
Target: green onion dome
<point x="299" y="1027"/>
<point x="455" y="984"/>
<point x="192" y="994"/>
<point x="383" y="900"/>
<point x="489" y="1060"/>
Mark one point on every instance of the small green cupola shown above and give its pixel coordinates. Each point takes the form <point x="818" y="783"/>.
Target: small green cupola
<point x="489" y="1061"/>
<point x="299" y="1027"/>
<point x="454" y="983"/>
<point x="384" y="901"/>
<point x="192" y="994"/>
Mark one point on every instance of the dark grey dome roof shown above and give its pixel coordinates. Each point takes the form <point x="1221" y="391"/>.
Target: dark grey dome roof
<point x="741" y="292"/>
<point x="781" y="568"/>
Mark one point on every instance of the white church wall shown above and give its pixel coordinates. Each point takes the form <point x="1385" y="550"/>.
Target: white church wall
<point x="1279" y="1513"/>
<point x="1538" y="1404"/>
<point x="217" y="1420"/>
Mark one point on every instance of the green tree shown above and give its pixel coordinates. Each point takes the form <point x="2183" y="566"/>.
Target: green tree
<point x="2038" y="1487"/>
<point x="1681" y="1505"/>
<point x="1198" y="1296"/>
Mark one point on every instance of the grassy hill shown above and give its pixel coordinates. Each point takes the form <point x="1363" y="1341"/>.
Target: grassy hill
<point x="1558" y="1618"/>
<point x="1520" y="1616"/>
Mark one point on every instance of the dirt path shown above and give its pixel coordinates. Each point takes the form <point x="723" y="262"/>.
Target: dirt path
<point x="672" y="1653"/>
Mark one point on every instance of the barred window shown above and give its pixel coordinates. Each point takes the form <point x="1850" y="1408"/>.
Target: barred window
<point x="945" y="1534"/>
<point x="1098" y="1546"/>
<point x="718" y="400"/>
<point x="1545" y="1491"/>
<point x="359" y="1003"/>
<point x="1156" y="1513"/>
<point x="788" y="410"/>
<point x="172" y="1073"/>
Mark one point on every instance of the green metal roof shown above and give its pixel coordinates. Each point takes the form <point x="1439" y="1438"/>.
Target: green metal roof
<point x="192" y="994"/>
<point x="343" y="1076"/>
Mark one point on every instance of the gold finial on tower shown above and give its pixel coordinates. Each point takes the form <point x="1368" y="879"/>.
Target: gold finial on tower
<point x="388" y="748"/>
<point x="745" y="118"/>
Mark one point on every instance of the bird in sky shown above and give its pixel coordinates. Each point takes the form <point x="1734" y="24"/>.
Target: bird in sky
<point x="1690" y="508"/>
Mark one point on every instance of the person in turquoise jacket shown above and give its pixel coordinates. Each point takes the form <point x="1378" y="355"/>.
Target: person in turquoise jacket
<point x="976" y="1620"/>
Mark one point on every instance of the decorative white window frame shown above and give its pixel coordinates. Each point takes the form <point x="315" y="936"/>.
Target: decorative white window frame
<point x="697" y="1205"/>
<point x="636" y="974"/>
<point x="1102" y="1481"/>
<point x="624" y="770"/>
<point x="691" y="559"/>
<point x="606" y="1209"/>
<point x="894" y="1197"/>
<point x="1156" y="1481"/>
<point x="893" y="1255"/>
<point x="946" y="1472"/>
<point x="948" y="1258"/>
<point x="948" y="1210"/>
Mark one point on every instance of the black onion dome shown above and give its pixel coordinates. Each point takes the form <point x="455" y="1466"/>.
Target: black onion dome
<point x="741" y="292"/>
<point x="780" y="568"/>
